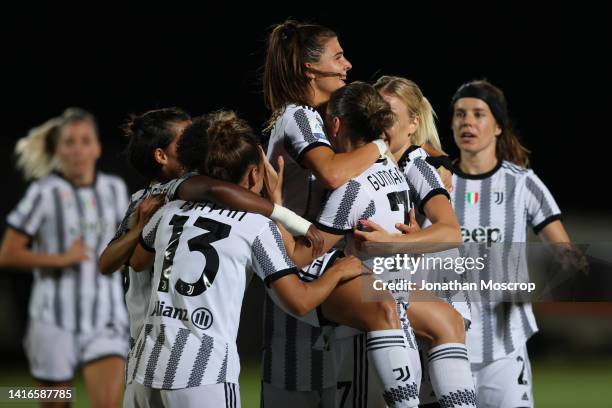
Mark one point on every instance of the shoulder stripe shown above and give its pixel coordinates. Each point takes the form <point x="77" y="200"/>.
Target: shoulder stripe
<point x="344" y="209"/>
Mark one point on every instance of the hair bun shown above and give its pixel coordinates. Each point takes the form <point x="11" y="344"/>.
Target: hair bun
<point x="288" y="29"/>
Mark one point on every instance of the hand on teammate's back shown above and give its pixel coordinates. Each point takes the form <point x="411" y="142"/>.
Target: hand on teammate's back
<point x="146" y="209"/>
<point x="273" y="179"/>
<point x="315" y="239"/>
<point x="348" y="267"/>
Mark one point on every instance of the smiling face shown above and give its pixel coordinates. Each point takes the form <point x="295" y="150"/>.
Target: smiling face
<point x="332" y="61"/>
<point x="78" y="149"/>
<point x="474" y="127"/>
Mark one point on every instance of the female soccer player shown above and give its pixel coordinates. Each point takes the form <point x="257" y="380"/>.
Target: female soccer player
<point x="204" y="256"/>
<point x="496" y="197"/>
<point x="77" y="316"/>
<point x="493" y="167"/>
<point x="304" y="65"/>
<point x="151" y="151"/>
<point x="436" y="322"/>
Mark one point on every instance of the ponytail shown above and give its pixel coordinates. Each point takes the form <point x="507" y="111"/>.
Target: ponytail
<point x="35" y="153"/>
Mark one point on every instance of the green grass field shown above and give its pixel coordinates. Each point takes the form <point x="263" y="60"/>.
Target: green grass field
<point x="558" y="384"/>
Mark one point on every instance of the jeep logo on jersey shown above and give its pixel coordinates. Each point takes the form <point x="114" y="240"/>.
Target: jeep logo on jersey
<point x="481" y="234"/>
<point x="161" y="309"/>
<point x="472" y="197"/>
<point x="202" y="318"/>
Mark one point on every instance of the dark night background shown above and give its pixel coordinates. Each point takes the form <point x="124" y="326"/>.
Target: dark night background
<point x="114" y="61"/>
<point x="117" y="61"/>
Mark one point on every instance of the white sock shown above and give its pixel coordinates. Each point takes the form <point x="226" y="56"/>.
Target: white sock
<point x="388" y="352"/>
<point x="451" y="376"/>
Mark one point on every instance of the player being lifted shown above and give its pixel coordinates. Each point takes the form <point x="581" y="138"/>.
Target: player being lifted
<point x="76" y="316"/>
<point x="203" y="255"/>
<point x="437" y="324"/>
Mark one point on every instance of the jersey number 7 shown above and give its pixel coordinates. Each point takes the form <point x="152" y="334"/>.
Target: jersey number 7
<point x="201" y="243"/>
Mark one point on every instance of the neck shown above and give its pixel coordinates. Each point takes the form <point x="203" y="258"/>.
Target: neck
<point x="399" y="153"/>
<point x="318" y="100"/>
<point x="477" y="162"/>
<point x="81" y="179"/>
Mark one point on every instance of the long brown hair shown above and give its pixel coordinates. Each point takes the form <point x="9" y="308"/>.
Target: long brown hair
<point x="508" y="146"/>
<point x="291" y="45"/>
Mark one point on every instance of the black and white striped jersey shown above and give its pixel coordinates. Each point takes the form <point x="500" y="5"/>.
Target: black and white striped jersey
<point x="204" y="257"/>
<point x="137" y="285"/>
<point x="423" y="179"/>
<point x="497" y="207"/>
<point x="298" y="356"/>
<point x="54" y="213"/>
<point x="296" y="131"/>
<point x="380" y="193"/>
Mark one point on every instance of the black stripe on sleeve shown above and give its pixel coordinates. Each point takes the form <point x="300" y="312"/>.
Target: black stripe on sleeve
<point x="308" y="148"/>
<point x="142" y="243"/>
<point x="331" y="230"/>
<point x="280" y="274"/>
<point x="540" y="226"/>
<point x="430" y="195"/>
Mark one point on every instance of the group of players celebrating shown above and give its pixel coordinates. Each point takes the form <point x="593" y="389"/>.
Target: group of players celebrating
<point x="345" y="163"/>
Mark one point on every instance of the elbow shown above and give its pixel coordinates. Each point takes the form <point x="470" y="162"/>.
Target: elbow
<point x="298" y="308"/>
<point x="104" y="269"/>
<point x="331" y="180"/>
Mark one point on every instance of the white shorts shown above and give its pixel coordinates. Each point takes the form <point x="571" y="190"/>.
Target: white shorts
<point x="274" y="397"/>
<point x="223" y="395"/>
<point x="54" y="353"/>
<point x="504" y="383"/>
<point x="358" y="384"/>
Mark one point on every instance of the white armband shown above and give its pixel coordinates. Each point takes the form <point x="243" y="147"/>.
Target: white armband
<point x="295" y="224"/>
<point x="382" y="146"/>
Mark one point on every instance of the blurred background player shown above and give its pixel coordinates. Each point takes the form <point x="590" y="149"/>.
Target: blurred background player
<point x="70" y="210"/>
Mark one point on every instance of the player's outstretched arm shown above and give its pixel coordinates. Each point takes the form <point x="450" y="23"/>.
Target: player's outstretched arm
<point x="202" y="188"/>
<point x="15" y="253"/>
<point x="118" y="252"/>
<point x="300" y="297"/>
<point x="444" y="233"/>
<point x="334" y="169"/>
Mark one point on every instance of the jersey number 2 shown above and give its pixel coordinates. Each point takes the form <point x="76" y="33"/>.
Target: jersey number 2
<point x="201" y="243"/>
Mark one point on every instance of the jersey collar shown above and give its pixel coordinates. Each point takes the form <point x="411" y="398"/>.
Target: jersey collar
<point x="480" y="176"/>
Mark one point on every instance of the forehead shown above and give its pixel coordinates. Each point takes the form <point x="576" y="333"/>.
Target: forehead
<point x="332" y="46"/>
<point x="396" y="103"/>
<point x="82" y="128"/>
<point x="471" y="104"/>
